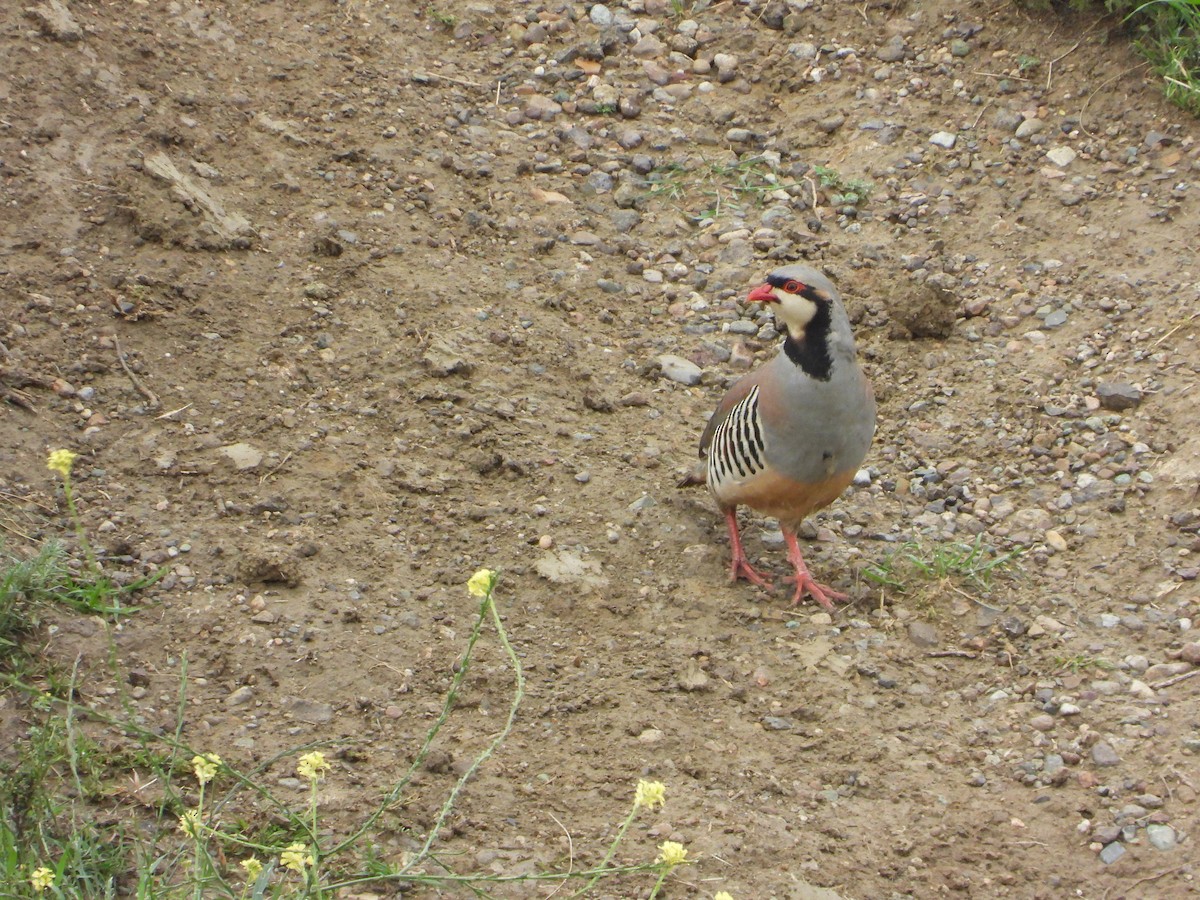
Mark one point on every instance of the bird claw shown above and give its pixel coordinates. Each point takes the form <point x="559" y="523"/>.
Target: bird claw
<point x="741" y="568"/>
<point x="822" y="593"/>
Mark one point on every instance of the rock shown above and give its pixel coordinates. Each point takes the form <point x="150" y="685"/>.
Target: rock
<point x="1061" y="156"/>
<point x="894" y="50"/>
<point x="944" y="139"/>
<point x="692" y="678"/>
<point x="1161" y="837"/>
<point x="727" y="65"/>
<point x="1029" y="128"/>
<point x="959" y="47"/>
<point x="630" y="138"/>
<point x="243" y="456"/>
<point x="1190" y="653"/>
<point x="240" y="697"/>
<point x="601" y="16"/>
<point x="1042" y="722"/>
<point x="310" y="711"/>
<point x="1159" y="671"/>
<point x="568" y="568"/>
<point x="923" y="634"/>
<point x="1055" y="319"/>
<point x="648" y="47"/>
<point x="1118" y="395"/>
<point x="1007" y="120"/>
<point x="1032" y="518"/>
<point x="541" y="108"/>
<point x="56" y="21"/>
<point x="776" y="723"/>
<point x="443" y="358"/>
<point x="1104" y="755"/>
<point x="1112" y="852"/>
<point x="319" y="290"/>
<point x="680" y="370"/>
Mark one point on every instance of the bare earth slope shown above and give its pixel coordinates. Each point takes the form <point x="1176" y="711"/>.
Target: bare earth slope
<point x="341" y="302"/>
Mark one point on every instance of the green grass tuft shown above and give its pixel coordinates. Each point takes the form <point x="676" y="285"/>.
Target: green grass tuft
<point x="972" y="568"/>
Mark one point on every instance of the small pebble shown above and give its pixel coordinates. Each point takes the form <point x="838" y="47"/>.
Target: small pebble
<point x="1104" y="755"/>
<point x="1112" y="852"/>
<point x="1161" y="837"/>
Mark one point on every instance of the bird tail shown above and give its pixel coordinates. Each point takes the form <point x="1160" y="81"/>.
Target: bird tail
<point x="697" y="474"/>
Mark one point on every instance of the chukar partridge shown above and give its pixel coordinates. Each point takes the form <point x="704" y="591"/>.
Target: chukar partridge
<point x="788" y="437"/>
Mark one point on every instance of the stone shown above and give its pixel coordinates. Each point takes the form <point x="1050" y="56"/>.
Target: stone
<point x="894" y="50"/>
<point x="1061" y="156"/>
<point x="678" y="369"/>
<point x="1111" y="853"/>
<point x="56" y="21"/>
<point x="923" y="634"/>
<point x="541" y="108"/>
<point x="243" y="456"/>
<point x="319" y="290"/>
<point x="648" y="47"/>
<point x="310" y="711"/>
<point x="943" y="139"/>
<point x="443" y="358"/>
<point x="1104" y="755"/>
<point x="1117" y="395"/>
<point x="1029" y="128"/>
<point x="240" y="697"/>
<point x="601" y="15"/>
<point x="1055" y="319"/>
<point x="1161" y="837"/>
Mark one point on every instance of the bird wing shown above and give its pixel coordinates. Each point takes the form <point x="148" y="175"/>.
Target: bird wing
<point x="736" y="394"/>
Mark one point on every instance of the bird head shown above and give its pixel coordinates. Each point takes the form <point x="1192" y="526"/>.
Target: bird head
<point x="796" y="294"/>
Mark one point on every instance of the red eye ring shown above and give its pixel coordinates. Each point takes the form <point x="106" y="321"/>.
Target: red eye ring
<point x="793" y="287"/>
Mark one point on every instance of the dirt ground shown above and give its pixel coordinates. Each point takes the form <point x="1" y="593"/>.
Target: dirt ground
<point x="340" y="302"/>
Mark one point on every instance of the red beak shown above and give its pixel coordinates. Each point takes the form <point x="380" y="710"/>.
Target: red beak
<point x="764" y="293"/>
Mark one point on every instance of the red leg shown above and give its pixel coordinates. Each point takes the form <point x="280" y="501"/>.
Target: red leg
<point x="741" y="567"/>
<point x="805" y="583"/>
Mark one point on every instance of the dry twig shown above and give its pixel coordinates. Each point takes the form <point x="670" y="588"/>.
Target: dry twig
<point x="151" y="397"/>
<point x="1167" y="682"/>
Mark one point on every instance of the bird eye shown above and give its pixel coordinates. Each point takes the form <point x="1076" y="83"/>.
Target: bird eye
<point x="793" y="287"/>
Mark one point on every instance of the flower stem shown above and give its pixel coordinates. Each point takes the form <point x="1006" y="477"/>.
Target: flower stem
<point x="612" y="850"/>
<point x="662" y="876"/>
<point x="84" y="543"/>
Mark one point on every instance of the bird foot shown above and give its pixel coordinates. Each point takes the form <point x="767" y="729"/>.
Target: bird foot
<point x="822" y="593"/>
<point x="741" y="568"/>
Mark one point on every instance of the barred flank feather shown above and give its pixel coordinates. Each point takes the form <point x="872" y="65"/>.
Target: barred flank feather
<point x="737" y="450"/>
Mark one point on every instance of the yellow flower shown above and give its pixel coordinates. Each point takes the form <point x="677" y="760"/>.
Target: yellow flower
<point x="61" y="462"/>
<point x="254" y="868"/>
<point x="481" y="583"/>
<point x="296" y="857"/>
<point x="650" y="794"/>
<point x="205" y="766"/>
<point x="722" y="895"/>
<point x="672" y="853"/>
<point x="189" y="823"/>
<point x="312" y="766"/>
<point x="41" y="878"/>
